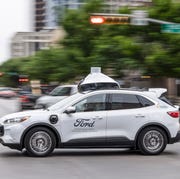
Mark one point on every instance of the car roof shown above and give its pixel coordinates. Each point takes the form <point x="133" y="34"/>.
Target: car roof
<point x="151" y="94"/>
<point x="113" y="91"/>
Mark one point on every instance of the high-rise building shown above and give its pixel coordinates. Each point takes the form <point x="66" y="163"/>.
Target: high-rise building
<point x="113" y="5"/>
<point x="72" y="4"/>
<point x="48" y="11"/>
<point x="53" y="8"/>
<point x="40" y="14"/>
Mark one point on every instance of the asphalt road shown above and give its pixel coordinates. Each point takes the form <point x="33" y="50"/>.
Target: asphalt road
<point x="87" y="164"/>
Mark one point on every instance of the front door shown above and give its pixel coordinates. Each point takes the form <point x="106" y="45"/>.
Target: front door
<point x="87" y="126"/>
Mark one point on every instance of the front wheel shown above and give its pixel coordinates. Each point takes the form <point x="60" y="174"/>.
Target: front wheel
<point x="40" y="142"/>
<point x="152" y="141"/>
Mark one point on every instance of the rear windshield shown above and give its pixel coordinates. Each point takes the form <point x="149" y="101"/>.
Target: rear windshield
<point x="164" y="99"/>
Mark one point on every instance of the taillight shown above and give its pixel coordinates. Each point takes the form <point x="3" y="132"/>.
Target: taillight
<point x="24" y="99"/>
<point x="174" y="114"/>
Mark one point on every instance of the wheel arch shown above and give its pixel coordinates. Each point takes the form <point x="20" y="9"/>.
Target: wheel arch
<point x="50" y="127"/>
<point x="164" y="128"/>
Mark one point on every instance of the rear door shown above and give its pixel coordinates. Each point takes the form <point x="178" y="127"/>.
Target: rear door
<point x="126" y="115"/>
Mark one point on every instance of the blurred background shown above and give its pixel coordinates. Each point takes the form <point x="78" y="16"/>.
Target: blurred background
<point x="53" y="42"/>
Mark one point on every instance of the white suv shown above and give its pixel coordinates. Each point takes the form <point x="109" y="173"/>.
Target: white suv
<point x="104" y="118"/>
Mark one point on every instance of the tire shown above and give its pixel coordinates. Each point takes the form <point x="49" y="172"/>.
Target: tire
<point x="152" y="141"/>
<point x="40" y="142"/>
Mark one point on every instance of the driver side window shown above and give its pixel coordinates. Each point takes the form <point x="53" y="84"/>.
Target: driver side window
<point x="92" y="103"/>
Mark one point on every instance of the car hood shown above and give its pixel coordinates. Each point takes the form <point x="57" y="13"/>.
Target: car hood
<point x="24" y="113"/>
<point x="32" y="113"/>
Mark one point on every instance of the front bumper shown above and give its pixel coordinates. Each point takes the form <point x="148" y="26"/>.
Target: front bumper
<point x="11" y="134"/>
<point x="10" y="145"/>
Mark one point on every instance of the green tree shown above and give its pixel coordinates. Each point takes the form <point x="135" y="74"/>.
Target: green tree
<point x="115" y="47"/>
<point x="11" y="70"/>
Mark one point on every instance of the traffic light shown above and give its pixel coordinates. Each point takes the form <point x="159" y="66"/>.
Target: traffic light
<point x="23" y="78"/>
<point x="109" y="20"/>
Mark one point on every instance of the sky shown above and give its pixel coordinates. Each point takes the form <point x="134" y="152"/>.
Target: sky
<point x="15" y="16"/>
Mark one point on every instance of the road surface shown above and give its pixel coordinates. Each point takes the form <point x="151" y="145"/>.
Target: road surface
<point x="87" y="164"/>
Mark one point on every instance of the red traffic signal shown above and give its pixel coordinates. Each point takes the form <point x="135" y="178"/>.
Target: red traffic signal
<point x="97" y="20"/>
<point x="23" y="78"/>
<point x="109" y="20"/>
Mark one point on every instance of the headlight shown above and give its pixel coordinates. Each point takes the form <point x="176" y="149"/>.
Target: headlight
<point x="16" y="120"/>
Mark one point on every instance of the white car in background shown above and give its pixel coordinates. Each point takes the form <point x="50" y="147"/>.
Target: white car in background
<point x="55" y="96"/>
<point x="94" y="81"/>
<point x="100" y="118"/>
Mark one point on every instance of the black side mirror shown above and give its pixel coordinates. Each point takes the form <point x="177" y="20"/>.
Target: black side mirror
<point x="70" y="109"/>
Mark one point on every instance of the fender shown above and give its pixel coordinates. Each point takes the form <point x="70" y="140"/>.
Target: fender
<point x="155" y="125"/>
<point x="54" y="130"/>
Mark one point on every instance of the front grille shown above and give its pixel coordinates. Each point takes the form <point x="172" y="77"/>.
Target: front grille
<point x="1" y="130"/>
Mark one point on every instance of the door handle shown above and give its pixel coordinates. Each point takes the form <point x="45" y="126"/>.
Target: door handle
<point x="140" y="115"/>
<point x="97" y="117"/>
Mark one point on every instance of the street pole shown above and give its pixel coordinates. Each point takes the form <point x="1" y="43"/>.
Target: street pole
<point x="131" y="15"/>
<point x="159" y="21"/>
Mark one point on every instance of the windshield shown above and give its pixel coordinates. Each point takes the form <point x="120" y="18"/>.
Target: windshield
<point x="61" y="91"/>
<point x="64" y="102"/>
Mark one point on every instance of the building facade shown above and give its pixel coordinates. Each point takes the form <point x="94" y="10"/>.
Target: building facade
<point x="113" y="5"/>
<point x="40" y="14"/>
<point x="25" y="44"/>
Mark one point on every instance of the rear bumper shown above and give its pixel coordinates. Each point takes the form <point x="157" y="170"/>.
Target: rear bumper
<point x="175" y="139"/>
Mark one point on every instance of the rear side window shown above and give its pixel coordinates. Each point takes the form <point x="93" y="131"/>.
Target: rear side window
<point x="145" y="102"/>
<point x="124" y="101"/>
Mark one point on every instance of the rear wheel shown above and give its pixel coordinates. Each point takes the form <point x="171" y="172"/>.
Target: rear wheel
<point x="40" y="142"/>
<point x="152" y="141"/>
